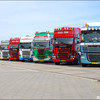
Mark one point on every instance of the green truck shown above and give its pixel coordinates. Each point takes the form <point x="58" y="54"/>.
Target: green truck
<point x="42" y="46"/>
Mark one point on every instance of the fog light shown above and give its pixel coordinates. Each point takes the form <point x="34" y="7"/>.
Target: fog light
<point x="54" y="56"/>
<point x="82" y="57"/>
<point x="72" y="56"/>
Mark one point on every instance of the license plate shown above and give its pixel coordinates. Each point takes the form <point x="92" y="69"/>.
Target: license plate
<point x="41" y="60"/>
<point x="14" y="58"/>
<point x="95" y="63"/>
<point x="63" y="60"/>
<point x="26" y="59"/>
<point x="5" y="58"/>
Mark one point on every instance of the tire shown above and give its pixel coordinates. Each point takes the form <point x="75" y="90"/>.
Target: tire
<point x="10" y="60"/>
<point x="35" y="61"/>
<point x="57" y="63"/>
<point x="78" y="60"/>
<point x="84" y="65"/>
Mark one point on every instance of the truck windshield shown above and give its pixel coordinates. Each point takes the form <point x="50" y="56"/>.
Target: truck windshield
<point x="91" y="37"/>
<point x="63" y="40"/>
<point x="11" y="47"/>
<point x="4" y="47"/>
<point x="25" y="45"/>
<point x="41" y="44"/>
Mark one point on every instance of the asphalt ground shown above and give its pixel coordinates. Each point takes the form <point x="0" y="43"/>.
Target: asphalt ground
<point x="28" y="80"/>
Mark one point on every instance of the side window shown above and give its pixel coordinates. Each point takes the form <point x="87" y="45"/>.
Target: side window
<point x="78" y="36"/>
<point x="51" y="45"/>
<point x="77" y="39"/>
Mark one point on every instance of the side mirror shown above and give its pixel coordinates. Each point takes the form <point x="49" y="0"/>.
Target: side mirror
<point x="51" y="41"/>
<point x="77" y="42"/>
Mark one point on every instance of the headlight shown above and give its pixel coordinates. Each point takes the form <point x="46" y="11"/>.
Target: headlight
<point x="54" y="56"/>
<point x="82" y="57"/>
<point x="72" y="56"/>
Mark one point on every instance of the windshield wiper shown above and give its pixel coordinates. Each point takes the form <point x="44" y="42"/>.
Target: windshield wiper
<point x="62" y="43"/>
<point x="42" y="45"/>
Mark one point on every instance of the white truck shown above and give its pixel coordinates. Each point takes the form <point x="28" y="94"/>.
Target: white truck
<point x="25" y="48"/>
<point x="4" y="52"/>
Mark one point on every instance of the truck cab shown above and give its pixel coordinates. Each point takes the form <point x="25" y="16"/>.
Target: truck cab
<point x="4" y="49"/>
<point x="42" y="46"/>
<point x="90" y="44"/>
<point x="25" y="48"/>
<point x="14" y="48"/>
<point x="66" y="46"/>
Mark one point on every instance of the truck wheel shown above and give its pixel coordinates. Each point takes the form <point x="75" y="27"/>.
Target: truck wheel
<point x="57" y="63"/>
<point x="36" y="61"/>
<point x="10" y="60"/>
<point x="78" y="60"/>
<point x="84" y="65"/>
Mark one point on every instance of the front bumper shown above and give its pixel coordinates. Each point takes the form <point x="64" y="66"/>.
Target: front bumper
<point x="67" y="60"/>
<point x="42" y="60"/>
<point x="84" y="60"/>
<point x="6" y="58"/>
<point x="27" y="59"/>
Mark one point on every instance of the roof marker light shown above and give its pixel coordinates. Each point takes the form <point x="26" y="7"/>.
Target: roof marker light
<point x="96" y="28"/>
<point x="86" y="25"/>
<point x="56" y="28"/>
<point x="92" y="28"/>
<point x="70" y="28"/>
<point x="89" y="28"/>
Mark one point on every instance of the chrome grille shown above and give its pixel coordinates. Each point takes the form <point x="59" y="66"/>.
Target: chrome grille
<point x="26" y="54"/>
<point x="5" y="54"/>
<point x="91" y="48"/>
<point x="93" y="57"/>
<point x="63" y="53"/>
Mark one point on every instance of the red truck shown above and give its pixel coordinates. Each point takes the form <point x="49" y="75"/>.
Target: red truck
<point x="66" y="46"/>
<point x="14" y="48"/>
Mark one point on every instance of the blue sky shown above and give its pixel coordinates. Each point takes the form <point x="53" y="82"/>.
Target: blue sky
<point x="20" y="18"/>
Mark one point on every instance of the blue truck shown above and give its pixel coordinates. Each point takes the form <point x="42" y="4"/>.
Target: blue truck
<point x="90" y="44"/>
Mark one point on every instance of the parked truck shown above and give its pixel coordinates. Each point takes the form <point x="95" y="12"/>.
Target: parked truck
<point x="4" y="49"/>
<point x="14" y="48"/>
<point x="90" y="44"/>
<point x="42" y="46"/>
<point x="25" y="48"/>
<point x="66" y="46"/>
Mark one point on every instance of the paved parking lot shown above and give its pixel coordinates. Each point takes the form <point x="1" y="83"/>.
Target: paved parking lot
<point x="28" y="80"/>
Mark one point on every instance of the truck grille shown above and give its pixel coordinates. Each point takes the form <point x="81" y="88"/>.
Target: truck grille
<point x="63" y="53"/>
<point x="26" y="54"/>
<point x="40" y="57"/>
<point x="15" y="54"/>
<point x="91" y="48"/>
<point x="93" y="57"/>
<point x="5" y="54"/>
<point x="41" y="51"/>
<point x="63" y="56"/>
